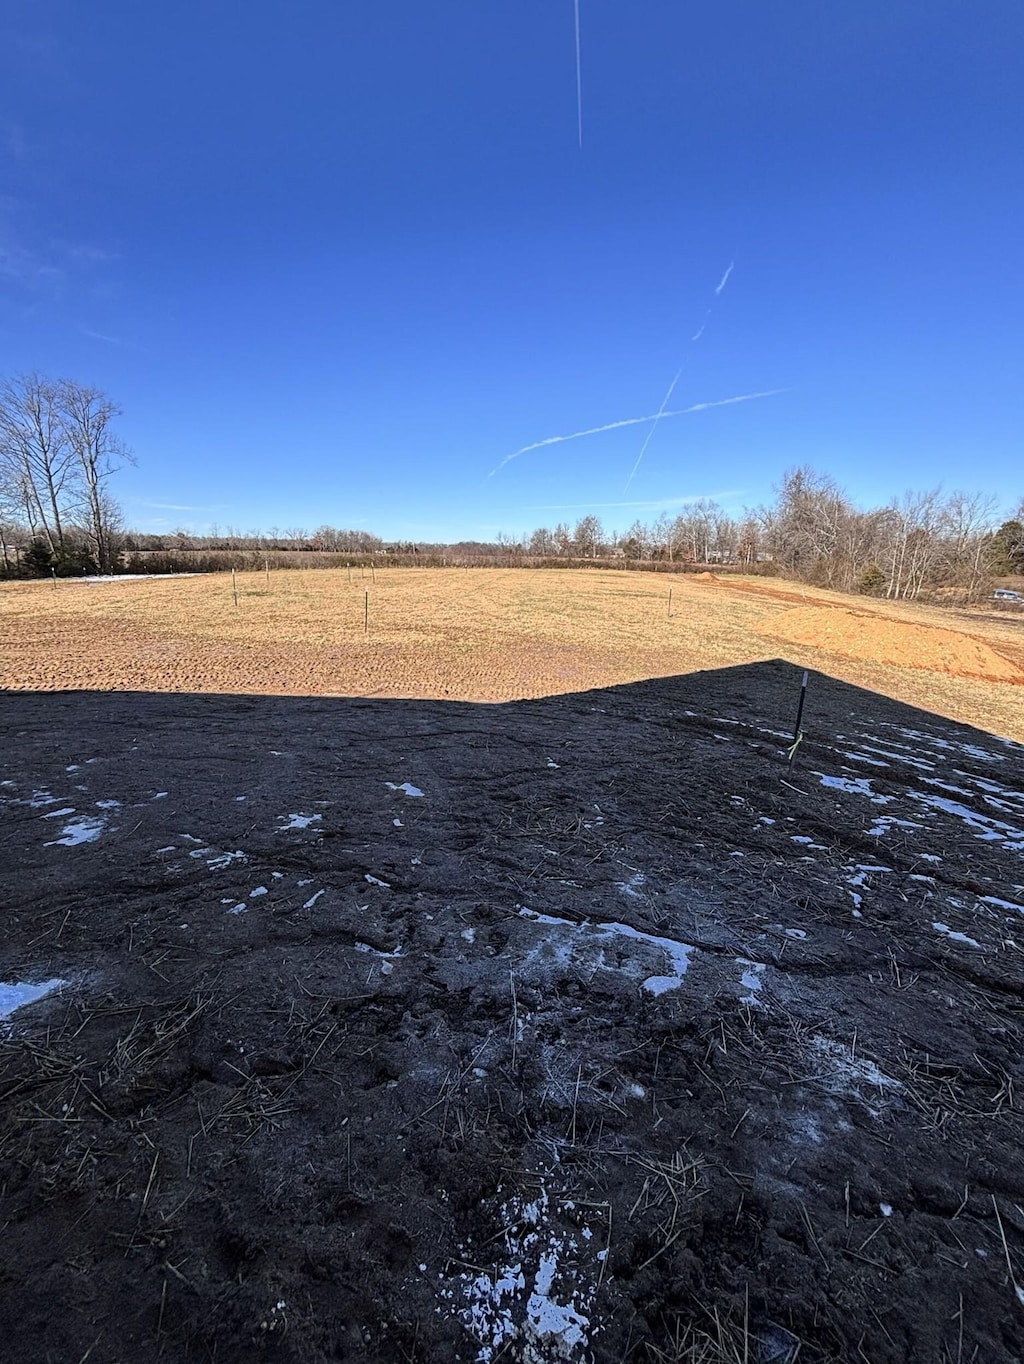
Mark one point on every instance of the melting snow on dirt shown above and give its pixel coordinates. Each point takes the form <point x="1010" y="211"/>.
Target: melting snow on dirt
<point x="858" y="786"/>
<point x="297" y="821"/>
<point x="17" y="993"/>
<point x="750" y="980"/>
<point x="992" y="830"/>
<point x="84" y="829"/>
<point x="222" y="860"/>
<point x="1000" y="904"/>
<point x="549" y="1322"/>
<point x="406" y="786"/>
<point x="839" y="1069"/>
<point x="956" y="937"/>
<point x="678" y="953"/>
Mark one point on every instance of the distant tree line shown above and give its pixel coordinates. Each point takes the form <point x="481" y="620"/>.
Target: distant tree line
<point x="948" y="546"/>
<point x="58" y="450"/>
<point x="922" y="544"/>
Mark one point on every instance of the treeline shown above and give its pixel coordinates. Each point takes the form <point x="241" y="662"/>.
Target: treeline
<point x="58" y="451"/>
<point x="918" y="545"/>
<point x="948" y="546"/>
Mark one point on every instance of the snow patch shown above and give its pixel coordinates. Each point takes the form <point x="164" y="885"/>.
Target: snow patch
<point x="956" y="937"/>
<point x="863" y="758"/>
<point x="750" y="979"/>
<point x="16" y="994"/>
<point x="533" y="1306"/>
<point x="678" y="953"/>
<point x="1000" y="904"/>
<point x="841" y="1071"/>
<point x="297" y="821"/>
<point x="223" y="860"/>
<point x="84" y="829"/>
<point x="405" y="786"/>
<point x="992" y="830"/>
<point x="857" y="786"/>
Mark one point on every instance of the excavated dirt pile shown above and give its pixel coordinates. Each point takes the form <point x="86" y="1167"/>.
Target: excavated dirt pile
<point x="573" y="1029"/>
<point x="877" y="639"/>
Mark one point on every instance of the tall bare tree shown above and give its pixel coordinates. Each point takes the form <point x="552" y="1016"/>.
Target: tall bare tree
<point x="587" y="537"/>
<point x="35" y="455"/>
<point x="86" y="415"/>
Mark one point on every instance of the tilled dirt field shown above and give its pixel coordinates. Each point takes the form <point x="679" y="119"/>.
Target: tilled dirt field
<point x="574" y="1028"/>
<point x="494" y="635"/>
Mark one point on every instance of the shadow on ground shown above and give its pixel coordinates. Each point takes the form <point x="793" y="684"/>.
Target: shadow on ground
<point x="563" y="1029"/>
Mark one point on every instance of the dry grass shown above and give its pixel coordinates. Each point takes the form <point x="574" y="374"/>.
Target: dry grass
<point x="718" y="1337"/>
<point x="487" y="634"/>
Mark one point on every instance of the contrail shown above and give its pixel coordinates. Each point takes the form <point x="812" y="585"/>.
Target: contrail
<point x="695" y="337"/>
<point x="654" y="427"/>
<point x="634" y="421"/>
<point x="579" y="76"/>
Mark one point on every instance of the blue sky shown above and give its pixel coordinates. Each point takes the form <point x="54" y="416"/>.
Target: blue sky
<point x="336" y="261"/>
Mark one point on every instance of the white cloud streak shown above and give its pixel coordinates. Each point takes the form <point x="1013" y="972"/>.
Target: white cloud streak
<point x="695" y="337"/>
<point x="579" y="74"/>
<point x="168" y="506"/>
<point x="113" y="340"/>
<point x="654" y="427"/>
<point x="635" y="421"/>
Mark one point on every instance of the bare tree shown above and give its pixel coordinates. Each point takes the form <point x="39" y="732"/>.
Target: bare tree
<point x="967" y="526"/>
<point x="587" y="537"/>
<point x="912" y="547"/>
<point x="542" y="543"/>
<point x="35" y="454"/>
<point x="660" y="535"/>
<point x="86" y="415"/>
<point x="637" y="541"/>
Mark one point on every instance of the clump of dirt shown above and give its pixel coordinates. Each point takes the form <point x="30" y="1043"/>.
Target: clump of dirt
<point x="706" y="577"/>
<point x="856" y="634"/>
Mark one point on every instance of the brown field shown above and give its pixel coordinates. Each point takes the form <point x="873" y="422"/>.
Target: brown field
<point x="495" y="635"/>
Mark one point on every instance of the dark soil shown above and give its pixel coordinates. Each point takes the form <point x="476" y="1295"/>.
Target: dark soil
<point x="341" y="1071"/>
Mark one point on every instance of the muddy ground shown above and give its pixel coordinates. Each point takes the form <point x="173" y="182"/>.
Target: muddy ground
<point x="567" y="1029"/>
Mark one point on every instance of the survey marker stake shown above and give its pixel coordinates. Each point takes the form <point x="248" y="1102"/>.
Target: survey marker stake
<point x="798" y="733"/>
<point x="366" y="610"/>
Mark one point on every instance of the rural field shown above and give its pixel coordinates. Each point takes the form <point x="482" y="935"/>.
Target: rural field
<point x="347" y="1015"/>
<point x="494" y="635"/>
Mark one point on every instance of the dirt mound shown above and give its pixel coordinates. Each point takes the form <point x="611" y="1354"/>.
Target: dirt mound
<point x="706" y="577"/>
<point x="859" y="635"/>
